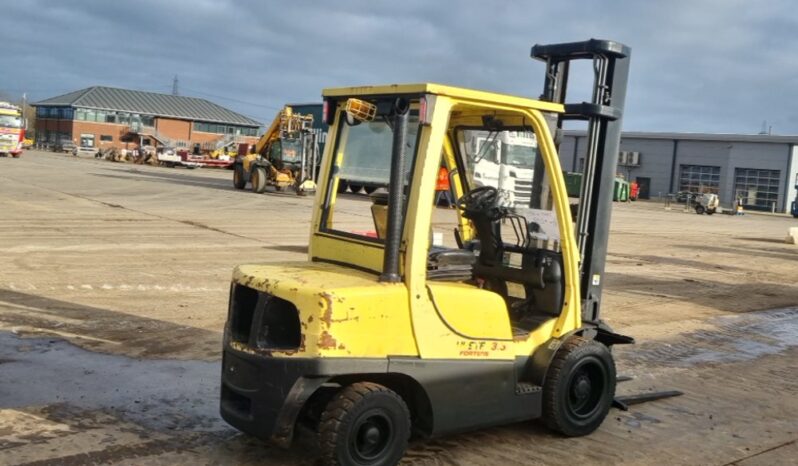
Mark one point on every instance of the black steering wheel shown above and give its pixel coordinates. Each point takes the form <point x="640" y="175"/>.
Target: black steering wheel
<point x="481" y="201"/>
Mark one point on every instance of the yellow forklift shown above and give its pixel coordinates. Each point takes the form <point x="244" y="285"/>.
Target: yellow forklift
<point x="379" y="335"/>
<point x="287" y="155"/>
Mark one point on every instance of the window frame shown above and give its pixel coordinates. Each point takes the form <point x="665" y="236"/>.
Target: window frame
<point x="333" y="169"/>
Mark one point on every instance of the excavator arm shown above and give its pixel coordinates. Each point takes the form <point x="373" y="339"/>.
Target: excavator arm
<point x="285" y="124"/>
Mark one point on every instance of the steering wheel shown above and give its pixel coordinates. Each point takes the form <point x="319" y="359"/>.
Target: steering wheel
<point x="480" y="201"/>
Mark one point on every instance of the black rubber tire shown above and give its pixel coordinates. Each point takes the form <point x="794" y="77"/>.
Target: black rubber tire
<point x="699" y="209"/>
<point x="370" y="189"/>
<point x="239" y="180"/>
<point x="710" y="211"/>
<point x="354" y="413"/>
<point x="342" y="186"/>
<point x="258" y="180"/>
<point x="567" y="411"/>
<point x="355" y="188"/>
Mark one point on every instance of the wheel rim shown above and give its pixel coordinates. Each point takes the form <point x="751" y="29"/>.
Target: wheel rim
<point x="371" y="436"/>
<point x="586" y="389"/>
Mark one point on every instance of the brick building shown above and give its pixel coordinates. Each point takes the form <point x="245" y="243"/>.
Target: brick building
<point x="106" y="117"/>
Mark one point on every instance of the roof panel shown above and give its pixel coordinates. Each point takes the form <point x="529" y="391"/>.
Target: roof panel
<point x="150" y="103"/>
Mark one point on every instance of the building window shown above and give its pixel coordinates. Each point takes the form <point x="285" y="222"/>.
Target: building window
<point x="87" y="140"/>
<point x="106" y="138"/>
<point x="757" y="188"/>
<point x="699" y="178"/>
<point x="91" y="115"/>
<point x="69" y="113"/>
<point x="123" y="118"/>
<point x="148" y="120"/>
<point x="110" y="117"/>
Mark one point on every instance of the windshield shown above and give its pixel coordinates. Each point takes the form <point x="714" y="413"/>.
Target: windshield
<point x="292" y="150"/>
<point x="362" y="163"/>
<point x="367" y="150"/>
<point x="8" y="121"/>
<point x="519" y="156"/>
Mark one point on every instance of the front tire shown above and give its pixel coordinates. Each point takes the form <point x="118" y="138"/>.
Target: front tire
<point x="364" y="424"/>
<point x="699" y="209"/>
<point x="258" y="180"/>
<point x="579" y="387"/>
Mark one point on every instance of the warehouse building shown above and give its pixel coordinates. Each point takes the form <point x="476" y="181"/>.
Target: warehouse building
<point x="106" y="117"/>
<point x="759" y="169"/>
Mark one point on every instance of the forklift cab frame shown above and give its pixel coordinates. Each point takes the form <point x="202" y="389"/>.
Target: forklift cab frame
<point x="364" y="342"/>
<point x="448" y="112"/>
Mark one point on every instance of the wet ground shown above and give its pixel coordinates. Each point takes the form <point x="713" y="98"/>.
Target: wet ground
<point x="113" y="289"/>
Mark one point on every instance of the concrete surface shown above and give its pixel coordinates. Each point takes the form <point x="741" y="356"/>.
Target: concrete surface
<point x="113" y="294"/>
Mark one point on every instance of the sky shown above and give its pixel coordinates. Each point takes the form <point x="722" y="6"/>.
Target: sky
<point x="718" y="66"/>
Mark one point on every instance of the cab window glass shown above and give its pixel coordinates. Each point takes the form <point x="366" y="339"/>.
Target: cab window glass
<point x="362" y="170"/>
<point x="509" y="161"/>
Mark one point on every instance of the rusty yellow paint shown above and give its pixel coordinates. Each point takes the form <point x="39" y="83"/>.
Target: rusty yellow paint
<point x="471" y="312"/>
<point x="342" y="312"/>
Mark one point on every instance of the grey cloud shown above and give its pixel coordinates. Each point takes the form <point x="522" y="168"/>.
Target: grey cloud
<point x="717" y="66"/>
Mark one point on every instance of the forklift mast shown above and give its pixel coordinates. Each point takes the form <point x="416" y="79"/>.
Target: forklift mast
<point x="603" y="115"/>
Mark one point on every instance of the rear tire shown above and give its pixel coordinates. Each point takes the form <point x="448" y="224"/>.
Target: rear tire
<point x="370" y="190"/>
<point x="355" y="188"/>
<point x="364" y="424"/>
<point x="239" y="180"/>
<point x="579" y="387"/>
<point x="342" y="186"/>
<point x="258" y="180"/>
<point x="699" y="209"/>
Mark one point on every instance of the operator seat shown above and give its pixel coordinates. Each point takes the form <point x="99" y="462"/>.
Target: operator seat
<point x="442" y="263"/>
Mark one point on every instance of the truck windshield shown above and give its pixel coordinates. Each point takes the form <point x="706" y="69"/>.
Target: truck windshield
<point x="503" y="159"/>
<point x="8" y="121"/>
<point x="519" y="156"/>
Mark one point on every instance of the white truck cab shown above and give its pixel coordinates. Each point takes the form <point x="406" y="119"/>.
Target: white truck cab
<point x="502" y="159"/>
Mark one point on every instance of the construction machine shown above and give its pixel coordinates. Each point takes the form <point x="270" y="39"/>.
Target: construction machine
<point x="227" y="150"/>
<point x="379" y="334"/>
<point x="706" y="203"/>
<point x="286" y="155"/>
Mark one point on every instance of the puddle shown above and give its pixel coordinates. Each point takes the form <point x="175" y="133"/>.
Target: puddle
<point x="734" y="338"/>
<point x="159" y="394"/>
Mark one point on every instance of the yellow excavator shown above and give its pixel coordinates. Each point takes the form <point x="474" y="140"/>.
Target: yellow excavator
<point x="286" y="155"/>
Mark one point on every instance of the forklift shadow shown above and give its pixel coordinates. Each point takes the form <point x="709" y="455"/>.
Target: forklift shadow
<point x="451" y="449"/>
